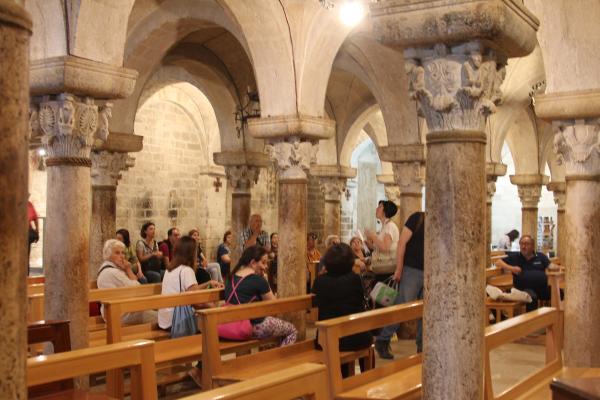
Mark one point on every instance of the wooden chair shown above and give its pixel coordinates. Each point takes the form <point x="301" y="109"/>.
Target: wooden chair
<point x="515" y="328"/>
<point x="57" y="333"/>
<point x="400" y="379"/>
<point x="308" y="381"/>
<point x="136" y="355"/>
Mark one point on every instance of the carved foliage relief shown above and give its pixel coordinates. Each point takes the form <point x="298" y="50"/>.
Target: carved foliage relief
<point x="577" y="144"/>
<point x="458" y="87"/>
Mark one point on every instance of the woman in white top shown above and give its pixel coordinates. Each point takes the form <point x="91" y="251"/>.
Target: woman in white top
<point x="116" y="272"/>
<point x="180" y="276"/>
<point x="387" y="239"/>
<point x="506" y="241"/>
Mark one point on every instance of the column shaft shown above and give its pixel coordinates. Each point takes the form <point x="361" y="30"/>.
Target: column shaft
<point x="291" y="267"/>
<point x="332" y="218"/>
<point x="529" y="222"/>
<point x="582" y="308"/>
<point x="14" y="101"/>
<point x="103" y="227"/>
<point x="66" y="251"/>
<point x="240" y="215"/>
<point x="561" y="240"/>
<point x="409" y="203"/>
<point x="454" y="268"/>
<point x="488" y="232"/>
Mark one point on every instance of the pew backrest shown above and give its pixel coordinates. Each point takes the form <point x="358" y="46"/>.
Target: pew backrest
<point x="302" y="381"/>
<point x="331" y="330"/>
<point x="515" y="328"/>
<point x="211" y="318"/>
<point x="137" y="355"/>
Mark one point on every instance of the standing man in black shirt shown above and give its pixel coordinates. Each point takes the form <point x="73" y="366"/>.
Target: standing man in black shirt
<point x="529" y="271"/>
<point x="409" y="274"/>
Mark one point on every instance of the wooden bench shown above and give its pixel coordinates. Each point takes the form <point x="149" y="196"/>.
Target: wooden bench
<point x="56" y="333"/>
<point x="35" y="301"/>
<point x="515" y="328"/>
<point x="510" y="308"/>
<point x="304" y="380"/>
<point x="136" y="355"/>
<point x="400" y="379"/>
<point x="35" y="279"/>
<point x="249" y="366"/>
<point x="168" y="352"/>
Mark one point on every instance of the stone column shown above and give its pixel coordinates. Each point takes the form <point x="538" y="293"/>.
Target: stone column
<point x="576" y="123"/>
<point x="408" y="163"/>
<point x="410" y="177"/>
<point x="106" y="172"/>
<point x="457" y="88"/>
<point x="332" y="179"/>
<point x="559" y="190"/>
<point x="492" y="172"/>
<point x="242" y="170"/>
<point x="530" y="191"/>
<point x="69" y="125"/>
<point x="15" y="30"/>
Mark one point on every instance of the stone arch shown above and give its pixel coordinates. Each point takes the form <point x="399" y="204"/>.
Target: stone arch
<point x="371" y="62"/>
<point x="49" y="38"/>
<point x="352" y="138"/>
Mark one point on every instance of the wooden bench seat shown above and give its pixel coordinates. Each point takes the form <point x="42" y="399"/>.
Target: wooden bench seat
<point x="214" y="369"/>
<point x="515" y="328"/>
<point x="304" y="380"/>
<point x="542" y="391"/>
<point x="400" y="379"/>
<point x="136" y="355"/>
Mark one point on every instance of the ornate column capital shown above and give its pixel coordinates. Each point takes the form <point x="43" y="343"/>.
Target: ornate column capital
<point x="492" y="172"/>
<point x="69" y="127"/>
<point x="409" y="177"/>
<point x="292" y="157"/>
<point x="559" y="190"/>
<point x="107" y="167"/>
<point x="577" y="144"/>
<point x="242" y="177"/>
<point x="332" y="187"/>
<point x="457" y="87"/>
<point x="529" y="187"/>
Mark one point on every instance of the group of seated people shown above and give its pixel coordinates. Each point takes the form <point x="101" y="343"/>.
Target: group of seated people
<point x="149" y="260"/>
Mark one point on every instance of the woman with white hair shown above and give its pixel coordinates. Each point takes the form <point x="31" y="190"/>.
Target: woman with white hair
<point x="116" y="272"/>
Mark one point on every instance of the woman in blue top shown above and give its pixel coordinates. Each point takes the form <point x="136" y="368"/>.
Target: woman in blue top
<point x="250" y="285"/>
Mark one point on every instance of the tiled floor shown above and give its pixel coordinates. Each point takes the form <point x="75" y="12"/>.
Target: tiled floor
<point x="509" y="363"/>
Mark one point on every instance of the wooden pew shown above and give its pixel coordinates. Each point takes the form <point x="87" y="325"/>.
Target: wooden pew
<point x="35" y="279"/>
<point x="304" y="380"/>
<point x="36" y="300"/>
<point x="249" y="366"/>
<point x="400" y="379"/>
<point x="167" y="351"/>
<point x="57" y="333"/>
<point x="515" y="328"/>
<point x="136" y="355"/>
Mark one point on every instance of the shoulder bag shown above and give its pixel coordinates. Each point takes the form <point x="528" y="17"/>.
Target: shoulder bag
<point x="235" y="330"/>
<point x="184" y="321"/>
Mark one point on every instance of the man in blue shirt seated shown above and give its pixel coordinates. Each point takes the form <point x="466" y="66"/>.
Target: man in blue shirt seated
<point x="529" y="271"/>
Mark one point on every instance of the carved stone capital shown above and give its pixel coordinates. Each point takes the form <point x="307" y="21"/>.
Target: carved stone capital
<point x="69" y="126"/>
<point x="392" y="192"/>
<point x="492" y="172"/>
<point x="107" y="167"/>
<point x="559" y="190"/>
<point x="529" y="187"/>
<point x="457" y="87"/>
<point x="577" y="144"/>
<point x="332" y="187"/>
<point x="242" y="177"/>
<point x="292" y="157"/>
<point x="409" y="177"/>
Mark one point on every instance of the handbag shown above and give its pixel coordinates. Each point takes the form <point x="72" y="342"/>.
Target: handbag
<point x="184" y="321"/>
<point x="385" y="293"/>
<point x="383" y="262"/>
<point x="235" y="330"/>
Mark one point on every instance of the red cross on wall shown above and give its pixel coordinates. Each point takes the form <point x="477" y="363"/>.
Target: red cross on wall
<point x="217" y="184"/>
